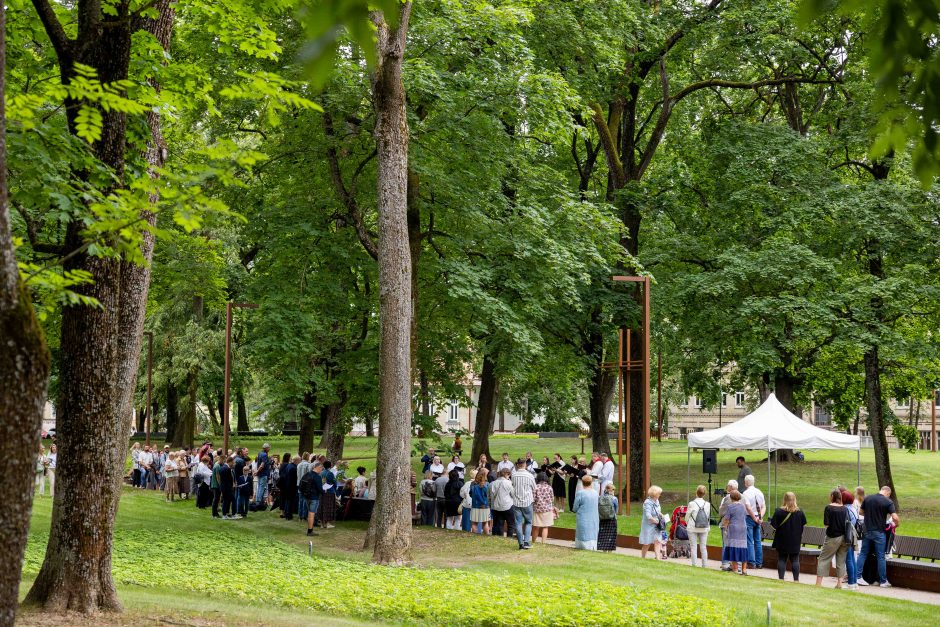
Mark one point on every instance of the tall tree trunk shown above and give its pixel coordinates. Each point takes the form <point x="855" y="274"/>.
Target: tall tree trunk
<point x="334" y="435"/>
<point x="425" y="393"/>
<point x="785" y="389"/>
<point x="186" y="427"/>
<point x="24" y="369"/>
<point x="874" y="403"/>
<point x="601" y="389"/>
<point x="390" y="528"/>
<point x="215" y="410"/>
<point x="370" y="424"/>
<point x="241" y="410"/>
<point x="307" y="412"/>
<point x="142" y="419"/>
<point x="486" y="410"/>
<point x="172" y="413"/>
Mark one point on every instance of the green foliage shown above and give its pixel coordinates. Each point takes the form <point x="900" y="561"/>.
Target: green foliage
<point x="393" y="594"/>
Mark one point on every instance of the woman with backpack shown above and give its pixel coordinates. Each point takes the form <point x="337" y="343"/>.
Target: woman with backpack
<point x="851" y="567"/>
<point x="788" y="522"/>
<point x="697" y="524"/>
<point x="543" y="508"/>
<point x="607" y="508"/>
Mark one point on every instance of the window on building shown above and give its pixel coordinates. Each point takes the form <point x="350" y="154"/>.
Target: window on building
<point x="936" y="400"/>
<point x="698" y="402"/>
<point x="724" y="399"/>
<point x="904" y="402"/>
<point x="453" y="410"/>
<point x="685" y="403"/>
<point x="822" y="416"/>
<point x="739" y="399"/>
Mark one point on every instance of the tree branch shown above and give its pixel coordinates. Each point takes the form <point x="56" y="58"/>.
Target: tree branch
<point x="53" y="27"/>
<point x="717" y="82"/>
<point x="610" y="146"/>
<point x="353" y="214"/>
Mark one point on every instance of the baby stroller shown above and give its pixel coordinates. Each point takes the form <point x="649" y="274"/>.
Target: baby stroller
<point x="679" y="545"/>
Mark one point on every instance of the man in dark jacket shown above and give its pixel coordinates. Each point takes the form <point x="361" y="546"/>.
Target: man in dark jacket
<point x="289" y="488"/>
<point x="311" y="486"/>
<point x="227" y="487"/>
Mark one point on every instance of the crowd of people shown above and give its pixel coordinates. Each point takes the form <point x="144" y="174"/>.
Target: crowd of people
<point x="233" y="484"/>
<point x="521" y="499"/>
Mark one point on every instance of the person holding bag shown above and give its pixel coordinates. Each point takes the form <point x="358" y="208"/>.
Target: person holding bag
<point x="788" y="522"/>
<point x="836" y="520"/>
<point x="698" y="523"/>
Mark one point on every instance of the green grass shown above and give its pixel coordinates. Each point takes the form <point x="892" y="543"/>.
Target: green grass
<point x="492" y="559"/>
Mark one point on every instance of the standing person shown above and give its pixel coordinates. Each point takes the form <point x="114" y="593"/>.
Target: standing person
<point x="327" y="510"/>
<point x="456" y="464"/>
<point x="788" y="522"/>
<point x="530" y="464"/>
<point x="757" y="508"/>
<point x="184" y="485"/>
<point x="501" y="496"/>
<point x="722" y="508"/>
<point x="607" y="508"/>
<point x="558" y="482"/>
<point x="480" y="503"/>
<point x="440" y="500"/>
<point x="652" y="523"/>
<point x="172" y="472"/>
<point x="505" y="464"/>
<point x="51" y="460"/>
<point x="607" y="471"/>
<point x="361" y="482"/>
<point x="597" y="471"/>
<point x="458" y="445"/>
<point x="483" y="464"/>
<point x="848" y="501"/>
<point x="835" y="519"/>
<point x="453" y="499"/>
<point x="427" y="459"/>
<point x="311" y="485"/>
<point x="135" y="464"/>
<point x="145" y="459"/>
<point x="437" y="467"/>
<point x="697" y="524"/>
<point x="428" y="494"/>
<point x="302" y="468"/>
<point x="289" y="489"/>
<point x="543" y="507"/>
<point x="216" y="485"/>
<point x="466" y="523"/>
<point x="574" y="471"/>
<point x="876" y="509"/>
<point x="587" y="515"/>
<point x="40" y="470"/>
<point x="227" y="489"/>
<point x="203" y="478"/>
<point x="743" y="470"/>
<point x="243" y="485"/>
<point x="523" y="486"/>
<point x="262" y="472"/>
<point x="735" y="550"/>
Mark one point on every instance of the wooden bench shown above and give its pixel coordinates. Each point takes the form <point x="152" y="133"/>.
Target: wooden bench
<point x="917" y="548"/>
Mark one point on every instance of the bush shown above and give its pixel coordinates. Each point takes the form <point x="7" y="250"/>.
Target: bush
<point x="412" y="595"/>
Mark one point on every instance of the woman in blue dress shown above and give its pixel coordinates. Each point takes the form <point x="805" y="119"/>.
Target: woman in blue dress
<point x="651" y="526"/>
<point x="585" y="508"/>
<point x="734" y="522"/>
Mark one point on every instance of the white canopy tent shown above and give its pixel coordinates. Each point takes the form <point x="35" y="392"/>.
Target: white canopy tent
<point x="771" y="427"/>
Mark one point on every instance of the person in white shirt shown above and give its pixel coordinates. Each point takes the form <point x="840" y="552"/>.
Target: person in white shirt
<point x="436" y="467"/>
<point x="530" y="464"/>
<point x="501" y="498"/>
<point x="360" y="483"/>
<point x="505" y="464"/>
<point x="51" y="460"/>
<point x="146" y="462"/>
<point x="597" y="468"/>
<point x="697" y="523"/>
<point x="607" y="472"/>
<point x="756" y="508"/>
<point x="523" y="484"/>
<point x="456" y="464"/>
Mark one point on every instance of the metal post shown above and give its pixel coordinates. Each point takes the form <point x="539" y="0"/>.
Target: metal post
<point x="688" y="472"/>
<point x="646" y="383"/>
<point x="149" y="410"/>
<point x="228" y="369"/>
<point x="933" y="422"/>
<point x="620" y="417"/>
<point x="768" y="471"/>
<point x="659" y="394"/>
<point x="627" y="436"/>
<point x="858" y="463"/>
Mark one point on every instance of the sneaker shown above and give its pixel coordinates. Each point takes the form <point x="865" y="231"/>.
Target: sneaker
<point x="862" y="582"/>
<point x="885" y="585"/>
<point x="726" y="568"/>
<point x="226" y="517"/>
<point x="329" y="526"/>
<point x="237" y="517"/>
<point x="852" y="586"/>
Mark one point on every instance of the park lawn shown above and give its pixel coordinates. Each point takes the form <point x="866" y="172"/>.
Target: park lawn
<point x="490" y="558"/>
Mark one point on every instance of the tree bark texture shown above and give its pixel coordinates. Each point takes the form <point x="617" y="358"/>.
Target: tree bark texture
<point x="24" y="369"/>
<point x="100" y="347"/>
<point x="390" y="528"/>
<point x="486" y="410"/>
<point x="334" y="433"/>
<point x="874" y="403"/>
<point x="307" y="427"/>
<point x="172" y="413"/>
<point x="241" y="410"/>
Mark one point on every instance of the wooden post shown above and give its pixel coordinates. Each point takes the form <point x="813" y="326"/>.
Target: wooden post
<point x="646" y="382"/>
<point x="933" y="422"/>
<point x="627" y="469"/>
<point x="149" y="335"/>
<point x="620" y="416"/>
<point x="659" y="395"/>
<point x="228" y="378"/>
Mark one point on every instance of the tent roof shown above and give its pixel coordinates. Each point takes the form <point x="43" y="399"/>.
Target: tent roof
<point x="770" y="427"/>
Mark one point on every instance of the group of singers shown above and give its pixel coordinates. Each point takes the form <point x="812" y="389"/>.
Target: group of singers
<point x="601" y="469"/>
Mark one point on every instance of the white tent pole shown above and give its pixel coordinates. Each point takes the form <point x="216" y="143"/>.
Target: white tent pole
<point x="858" y="463"/>
<point x="688" y="472"/>
<point x="768" y="469"/>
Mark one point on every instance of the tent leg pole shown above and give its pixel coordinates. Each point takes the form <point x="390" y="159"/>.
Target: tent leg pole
<point x="768" y="471"/>
<point x="775" y="481"/>
<point x="688" y="472"/>
<point x="858" y="464"/>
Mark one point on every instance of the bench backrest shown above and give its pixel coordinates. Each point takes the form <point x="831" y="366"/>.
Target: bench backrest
<point x="814" y="536"/>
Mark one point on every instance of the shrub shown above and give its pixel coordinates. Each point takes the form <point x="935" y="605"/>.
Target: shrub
<point x="412" y="595"/>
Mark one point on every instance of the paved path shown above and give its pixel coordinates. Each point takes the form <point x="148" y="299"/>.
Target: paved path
<point x="932" y="598"/>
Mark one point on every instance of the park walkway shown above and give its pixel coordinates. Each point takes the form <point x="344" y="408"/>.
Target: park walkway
<point x="906" y="594"/>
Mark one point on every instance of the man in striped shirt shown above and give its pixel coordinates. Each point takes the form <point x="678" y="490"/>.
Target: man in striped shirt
<point x="523" y="484"/>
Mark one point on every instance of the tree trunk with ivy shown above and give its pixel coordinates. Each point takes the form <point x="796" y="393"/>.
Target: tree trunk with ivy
<point x="390" y="528"/>
<point x="486" y="410"/>
<point x="24" y="371"/>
